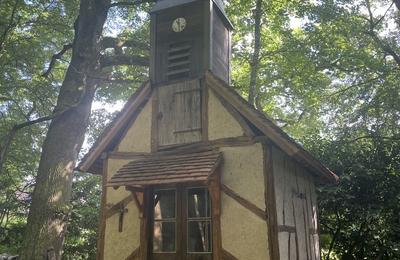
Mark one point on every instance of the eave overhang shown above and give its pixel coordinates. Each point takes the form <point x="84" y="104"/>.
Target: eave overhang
<point x="167" y="169"/>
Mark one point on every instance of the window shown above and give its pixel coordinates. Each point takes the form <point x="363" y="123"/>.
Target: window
<point x="182" y="223"/>
<point x="164" y="231"/>
<point x="198" y="220"/>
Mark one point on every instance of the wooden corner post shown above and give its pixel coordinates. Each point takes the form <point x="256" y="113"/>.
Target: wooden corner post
<point x="270" y="201"/>
<point x="215" y="192"/>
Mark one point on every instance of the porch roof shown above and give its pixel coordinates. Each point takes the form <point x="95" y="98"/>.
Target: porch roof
<point x="165" y="169"/>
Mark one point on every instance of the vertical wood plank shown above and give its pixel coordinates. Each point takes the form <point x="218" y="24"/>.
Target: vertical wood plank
<point x="153" y="46"/>
<point x="293" y="250"/>
<point x="284" y="245"/>
<point x="207" y="27"/>
<point x="145" y="227"/>
<point x="270" y="201"/>
<point x="204" y="110"/>
<point x="103" y="219"/>
<point x="179" y="113"/>
<point x="299" y="218"/>
<point x="154" y="121"/>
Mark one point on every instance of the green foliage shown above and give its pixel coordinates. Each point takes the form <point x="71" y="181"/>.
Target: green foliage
<point x="81" y="235"/>
<point x="329" y="76"/>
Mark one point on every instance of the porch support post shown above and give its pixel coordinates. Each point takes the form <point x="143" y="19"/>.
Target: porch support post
<point x="215" y="192"/>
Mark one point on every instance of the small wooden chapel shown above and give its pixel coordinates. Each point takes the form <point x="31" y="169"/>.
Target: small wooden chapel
<point x="191" y="170"/>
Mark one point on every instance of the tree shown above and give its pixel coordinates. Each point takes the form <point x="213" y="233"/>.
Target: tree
<point x="329" y="75"/>
<point x="255" y="59"/>
<point x="49" y="210"/>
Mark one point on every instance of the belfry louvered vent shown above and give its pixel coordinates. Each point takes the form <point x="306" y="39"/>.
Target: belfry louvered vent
<point x="178" y="63"/>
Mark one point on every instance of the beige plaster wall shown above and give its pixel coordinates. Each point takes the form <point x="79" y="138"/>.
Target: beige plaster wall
<point x="119" y="245"/>
<point x="244" y="235"/>
<point x="138" y="137"/>
<point x="242" y="171"/>
<point x="116" y="195"/>
<point x="221" y="124"/>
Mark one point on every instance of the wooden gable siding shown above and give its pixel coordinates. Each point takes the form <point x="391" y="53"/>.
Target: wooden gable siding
<point x="179" y="113"/>
<point x="296" y="208"/>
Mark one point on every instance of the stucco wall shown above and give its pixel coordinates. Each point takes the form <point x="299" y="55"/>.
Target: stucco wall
<point x="119" y="245"/>
<point x="244" y="234"/>
<point x="242" y="171"/>
<point x="137" y="138"/>
<point x="221" y="124"/>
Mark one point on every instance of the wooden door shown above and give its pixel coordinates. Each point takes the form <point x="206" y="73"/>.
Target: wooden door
<point x="181" y="224"/>
<point x="179" y="113"/>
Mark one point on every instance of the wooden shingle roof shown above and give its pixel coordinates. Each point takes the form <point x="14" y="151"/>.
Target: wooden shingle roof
<point x="167" y="169"/>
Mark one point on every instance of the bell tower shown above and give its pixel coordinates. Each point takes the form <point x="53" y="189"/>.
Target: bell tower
<point x="189" y="37"/>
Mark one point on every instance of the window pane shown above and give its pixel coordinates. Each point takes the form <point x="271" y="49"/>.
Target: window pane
<point x="164" y="236"/>
<point x="164" y="204"/>
<point x="199" y="236"/>
<point x="198" y="203"/>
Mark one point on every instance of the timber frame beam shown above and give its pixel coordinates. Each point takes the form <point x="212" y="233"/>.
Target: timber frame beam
<point x="245" y="203"/>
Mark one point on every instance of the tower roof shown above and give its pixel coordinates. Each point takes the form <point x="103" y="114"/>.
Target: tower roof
<point x="166" y="4"/>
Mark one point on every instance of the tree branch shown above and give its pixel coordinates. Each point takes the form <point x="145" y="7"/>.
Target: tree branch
<point x="5" y="98"/>
<point x="397" y="3"/>
<point x="10" y="25"/>
<point x="56" y="57"/>
<point x="4" y="148"/>
<point x="383" y="45"/>
<point x="255" y="59"/>
<point x="118" y="44"/>
<point x="117" y="60"/>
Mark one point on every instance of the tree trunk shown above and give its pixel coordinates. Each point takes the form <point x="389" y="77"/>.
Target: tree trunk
<point x="397" y="2"/>
<point x="49" y="209"/>
<point x="255" y="59"/>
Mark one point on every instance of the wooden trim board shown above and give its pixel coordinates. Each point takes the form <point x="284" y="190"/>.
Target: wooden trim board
<point x="117" y="206"/>
<point x="103" y="219"/>
<point x="228" y="256"/>
<point x="204" y="110"/>
<point x="245" y="203"/>
<point x="135" y="253"/>
<point x="270" y="201"/>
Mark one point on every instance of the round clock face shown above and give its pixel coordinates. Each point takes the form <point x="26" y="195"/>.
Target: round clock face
<point x="179" y="24"/>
